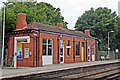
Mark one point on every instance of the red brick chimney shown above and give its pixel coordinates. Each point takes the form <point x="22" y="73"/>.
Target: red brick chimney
<point x="21" y="21"/>
<point x="60" y="25"/>
<point x="87" y="32"/>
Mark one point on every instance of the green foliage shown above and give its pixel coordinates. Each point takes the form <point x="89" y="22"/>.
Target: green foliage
<point x="36" y="12"/>
<point x="99" y="21"/>
<point x="117" y="34"/>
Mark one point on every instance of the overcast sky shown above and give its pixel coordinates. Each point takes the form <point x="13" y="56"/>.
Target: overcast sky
<point x="72" y="9"/>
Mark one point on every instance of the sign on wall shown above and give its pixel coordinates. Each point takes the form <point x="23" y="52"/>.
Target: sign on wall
<point x="19" y="54"/>
<point x="19" y="51"/>
<point x="26" y="53"/>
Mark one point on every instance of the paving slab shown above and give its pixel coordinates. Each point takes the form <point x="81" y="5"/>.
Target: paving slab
<point x="8" y="72"/>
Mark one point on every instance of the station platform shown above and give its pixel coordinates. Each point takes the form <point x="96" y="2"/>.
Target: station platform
<point x="8" y="72"/>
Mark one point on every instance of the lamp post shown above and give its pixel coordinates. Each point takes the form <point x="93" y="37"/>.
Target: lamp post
<point x="108" y="55"/>
<point x="3" y="36"/>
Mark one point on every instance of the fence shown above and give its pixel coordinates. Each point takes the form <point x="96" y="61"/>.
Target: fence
<point x="112" y="55"/>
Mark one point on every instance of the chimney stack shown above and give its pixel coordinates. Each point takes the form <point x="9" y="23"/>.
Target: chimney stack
<point x="21" y="21"/>
<point x="87" y="32"/>
<point x="60" y="25"/>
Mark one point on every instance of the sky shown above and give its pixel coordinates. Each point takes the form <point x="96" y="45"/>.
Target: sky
<point x="72" y="9"/>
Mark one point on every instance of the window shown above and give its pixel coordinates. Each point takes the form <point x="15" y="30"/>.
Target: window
<point x="82" y="44"/>
<point x="61" y="43"/>
<point x="77" y="48"/>
<point x="47" y="47"/>
<point x="88" y="45"/>
<point x="92" y="49"/>
<point x="68" y="49"/>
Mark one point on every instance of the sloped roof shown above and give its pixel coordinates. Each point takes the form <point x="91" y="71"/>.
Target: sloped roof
<point x="55" y="29"/>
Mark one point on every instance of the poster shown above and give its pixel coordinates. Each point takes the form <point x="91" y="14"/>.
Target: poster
<point x="26" y="53"/>
<point x="19" y="51"/>
<point x="19" y="54"/>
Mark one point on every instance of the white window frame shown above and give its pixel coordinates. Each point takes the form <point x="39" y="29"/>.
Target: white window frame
<point x="46" y="54"/>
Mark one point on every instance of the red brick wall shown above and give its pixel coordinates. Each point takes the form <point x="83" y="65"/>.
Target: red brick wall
<point x="31" y="61"/>
<point x="25" y="61"/>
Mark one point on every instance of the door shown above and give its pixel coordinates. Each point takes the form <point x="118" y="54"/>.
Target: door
<point x="93" y="53"/>
<point x="18" y="47"/>
<point x="61" y="51"/>
<point x="82" y="51"/>
<point x="47" y="52"/>
<point x="88" y="51"/>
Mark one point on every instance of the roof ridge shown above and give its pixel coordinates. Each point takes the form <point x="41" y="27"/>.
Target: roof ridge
<point x="53" y="28"/>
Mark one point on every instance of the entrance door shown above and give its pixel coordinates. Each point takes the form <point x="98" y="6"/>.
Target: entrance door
<point x="47" y="52"/>
<point x="18" y="47"/>
<point x="93" y="55"/>
<point x="83" y="51"/>
<point x="61" y="51"/>
<point x="88" y="51"/>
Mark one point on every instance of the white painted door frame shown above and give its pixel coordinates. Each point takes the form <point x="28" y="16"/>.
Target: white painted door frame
<point x="47" y="59"/>
<point x="15" y="48"/>
<point x="93" y="51"/>
<point x="61" y="55"/>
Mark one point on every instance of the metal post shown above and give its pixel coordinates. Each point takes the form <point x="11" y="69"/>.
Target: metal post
<point x="2" y="61"/>
<point x="108" y="45"/>
<point x="3" y="37"/>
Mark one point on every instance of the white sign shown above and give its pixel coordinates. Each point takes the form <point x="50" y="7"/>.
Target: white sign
<point x="68" y="46"/>
<point x="116" y="50"/>
<point x="26" y="53"/>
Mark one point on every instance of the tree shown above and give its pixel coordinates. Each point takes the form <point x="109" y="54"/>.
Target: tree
<point x="117" y="34"/>
<point x="99" y="22"/>
<point x="39" y="12"/>
<point x="36" y="12"/>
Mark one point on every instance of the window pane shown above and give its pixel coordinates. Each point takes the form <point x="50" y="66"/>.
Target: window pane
<point x="61" y="59"/>
<point x="61" y="51"/>
<point x="68" y="50"/>
<point x="44" y="41"/>
<point x="88" y="46"/>
<point x="77" y="48"/>
<point x="49" y="49"/>
<point x="61" y="43"/>
<point x="44" y="50"/>
<point x="49" y="41"/>
<point x="82" y="44"/>
<point x="92" y="49"/>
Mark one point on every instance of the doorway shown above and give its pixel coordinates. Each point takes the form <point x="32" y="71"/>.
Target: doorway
<point x="18" y="47"/>
<point x="61" y="50"/>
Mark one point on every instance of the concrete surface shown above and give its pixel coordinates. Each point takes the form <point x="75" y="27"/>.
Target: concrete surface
<point x="22" y="71"/>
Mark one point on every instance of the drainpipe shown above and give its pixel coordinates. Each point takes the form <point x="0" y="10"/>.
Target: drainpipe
<point x="74" y="49"/>
<point x="33" y="53"/>
<point x="58" y="41"/>
<point x="37" y="48"/>
<point x="36" y="51"/>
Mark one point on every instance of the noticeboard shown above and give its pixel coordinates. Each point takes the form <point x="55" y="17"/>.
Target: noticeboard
<point x="26" y="53"/>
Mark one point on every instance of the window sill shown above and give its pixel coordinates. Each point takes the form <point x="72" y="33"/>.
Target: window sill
<point x="77" y="55"/>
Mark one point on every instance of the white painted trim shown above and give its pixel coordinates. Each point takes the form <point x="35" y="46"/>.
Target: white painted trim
<point x="15" y="48"/>
<point x="61" y="46"/>
<point x="22" y="37"/>
<point x="47" y="59"/>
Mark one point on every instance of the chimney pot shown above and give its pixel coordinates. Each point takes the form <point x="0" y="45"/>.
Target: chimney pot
<point x="60" y="25"/>
<point x="87" y="32"/>
<point x="21" y="21"/>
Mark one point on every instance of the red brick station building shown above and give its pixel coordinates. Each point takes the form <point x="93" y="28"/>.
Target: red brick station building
<point x="38" y="44"/>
